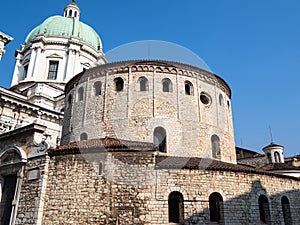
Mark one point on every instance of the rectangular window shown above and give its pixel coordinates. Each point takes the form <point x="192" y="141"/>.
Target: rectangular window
<point x="53" y="68"/>
<point x="25" y="71"/>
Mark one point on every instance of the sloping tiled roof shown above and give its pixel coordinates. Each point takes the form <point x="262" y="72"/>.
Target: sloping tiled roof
<point x="105" y="144"/>
<point x="278" y="166"/>
<point x="162" y="161"/>
<point x="272" y="145"/>
<point x="171" y="162"/>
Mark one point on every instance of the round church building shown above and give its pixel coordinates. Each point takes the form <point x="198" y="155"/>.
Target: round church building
<point x="183" y="109"/>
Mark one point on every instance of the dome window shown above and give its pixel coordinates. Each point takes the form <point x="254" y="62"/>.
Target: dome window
<point x="221" y="99"/>
<point x="215" y="144"/>
<point x="205" y="98"/>
<point x="83" y="137"/>
<point x="53" y="69"/>
<point x="144" y="86"/>
<point x="119" y="84"/>
<point x="189" y="89"/>
<point x="167" y="85"/>
<point x="97" y="88"/>
<point x="80" y="94"/>
<point x="25" y="71"/>
<point x="69" y="101"/>
<point x="160" y="139"/>
<point x="70" y="13"/>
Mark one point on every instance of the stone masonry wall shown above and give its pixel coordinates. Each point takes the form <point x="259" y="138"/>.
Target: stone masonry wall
<point x="133" y="115"/>
<point x="32" y="192"/>
<point x="131" y="191"/>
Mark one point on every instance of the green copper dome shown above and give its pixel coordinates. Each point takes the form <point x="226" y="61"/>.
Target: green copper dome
<point x="66" y="27"/>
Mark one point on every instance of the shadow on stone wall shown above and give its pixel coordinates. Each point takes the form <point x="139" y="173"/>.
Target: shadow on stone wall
<point x="244" y="209"/>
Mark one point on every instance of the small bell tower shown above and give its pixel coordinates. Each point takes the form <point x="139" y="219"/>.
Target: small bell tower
<point x="72" y="10"/>
<point x="274" y="153"/>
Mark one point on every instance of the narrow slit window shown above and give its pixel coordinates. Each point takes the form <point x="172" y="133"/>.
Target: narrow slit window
<point x="215" y="144"/>
<point x="80" y="94"/>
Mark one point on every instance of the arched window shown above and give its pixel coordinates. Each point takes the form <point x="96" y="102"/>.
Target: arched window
<point x="216" y="208"/>
<point x="167" y="85"/>
<point x="75" y="14"/>
<point x="189" y="89"/>
<point x="160" y="139"/>
<point x="264" y="211"/>
<point x="286" y="210"/>
<point x="277" y="157"/>
<point x="144" y="86"/>
<point x="70" y="13"/>
<point x="80" y="94"/>
<point x="83" y="137"/>
<point x="215" y="145"/>
<point x="176" y="207"/>
<point x="119" y="84"/>
<point x="10" y="183"/>
<point x="97" y="88"/>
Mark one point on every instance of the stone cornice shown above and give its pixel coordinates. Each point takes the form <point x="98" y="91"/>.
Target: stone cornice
<point x="19" y="131"/>
<point x="159" y="66"/>
<point x="5" y="38"/>
<point x="16" y="101"/>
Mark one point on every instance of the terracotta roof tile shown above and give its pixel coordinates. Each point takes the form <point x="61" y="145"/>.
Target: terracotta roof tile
<point x="278" y="166"/>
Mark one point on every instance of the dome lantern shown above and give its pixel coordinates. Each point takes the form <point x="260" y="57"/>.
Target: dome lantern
<point x="72" y="10"/>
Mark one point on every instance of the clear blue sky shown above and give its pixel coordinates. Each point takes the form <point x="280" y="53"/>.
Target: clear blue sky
<point x="253" y="44"/>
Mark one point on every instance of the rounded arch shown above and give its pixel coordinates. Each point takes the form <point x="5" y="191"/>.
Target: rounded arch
<point x="277" y="157"/>
<point x="11" y="150"/>
<point x="176" y="207"/>
<point x="216" y="207"/>
<point x="286" y="210"/>
<point x="167" y="85"/>
<point x="97" y="88"/>
<point x="143" y="84"/>
<point x="182" y="190"/>
<point x="80" y="93"/>
<point x="83" y="136"/>
<point x="264" y="209"/>
<point x="188" y="88"/>
<point x="119" y="84"/>
<point x="160" y="139"/>
<point x="215" y="146"/>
